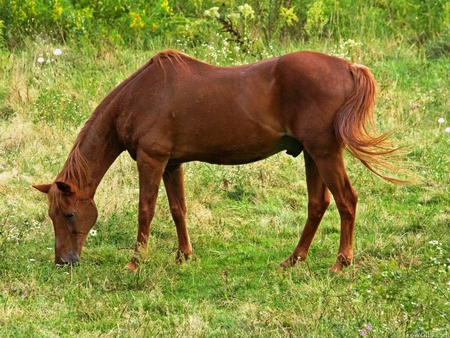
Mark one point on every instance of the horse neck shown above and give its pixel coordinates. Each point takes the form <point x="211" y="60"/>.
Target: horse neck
<point x="95" y="149"/>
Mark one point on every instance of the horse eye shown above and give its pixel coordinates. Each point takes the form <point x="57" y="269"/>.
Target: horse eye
<point x="70" y="215"/>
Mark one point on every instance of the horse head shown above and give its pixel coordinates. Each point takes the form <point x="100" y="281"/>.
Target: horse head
<point x="73" y="215"/>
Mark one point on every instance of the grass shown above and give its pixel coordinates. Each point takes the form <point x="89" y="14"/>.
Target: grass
<point x="243" y="221"/>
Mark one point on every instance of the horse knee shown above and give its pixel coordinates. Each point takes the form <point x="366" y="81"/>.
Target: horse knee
<point x="178" y="213"/>
<point x="145" y="215"/>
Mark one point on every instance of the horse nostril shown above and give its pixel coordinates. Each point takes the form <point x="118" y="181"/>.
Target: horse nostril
<point x="61" y="263"/>
<point x="74" y="258"/>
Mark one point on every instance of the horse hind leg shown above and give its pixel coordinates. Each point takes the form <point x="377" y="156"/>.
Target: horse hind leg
<point x="333" y="173"/>
<point x="318" y="202"/>
<point x="174" y="183"/>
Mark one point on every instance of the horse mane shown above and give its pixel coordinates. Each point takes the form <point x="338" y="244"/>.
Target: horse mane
<point x="175" y="58"/>
<point x="75" y="171"/>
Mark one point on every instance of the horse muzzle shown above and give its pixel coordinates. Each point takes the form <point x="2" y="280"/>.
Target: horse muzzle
<point x="70" y="258"/>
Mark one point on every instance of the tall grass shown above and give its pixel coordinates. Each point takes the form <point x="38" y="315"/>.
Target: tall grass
<point x="243" y="220"/>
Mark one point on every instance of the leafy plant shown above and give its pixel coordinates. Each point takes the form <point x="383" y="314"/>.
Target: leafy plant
<point x="254" y="23"/>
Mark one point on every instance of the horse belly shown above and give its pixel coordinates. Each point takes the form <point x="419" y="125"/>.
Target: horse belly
<point x="232" y="147"/>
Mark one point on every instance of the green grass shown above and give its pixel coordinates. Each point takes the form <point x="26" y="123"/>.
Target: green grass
<point x="243" y="221"/>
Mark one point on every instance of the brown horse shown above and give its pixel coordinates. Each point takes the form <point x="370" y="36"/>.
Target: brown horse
<point x="176" y="109"/>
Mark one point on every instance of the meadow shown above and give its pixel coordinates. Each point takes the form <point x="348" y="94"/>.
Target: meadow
<point x="243" y="220"/>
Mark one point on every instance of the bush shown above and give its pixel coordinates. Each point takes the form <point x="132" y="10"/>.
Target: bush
<point x="140" y="22"/>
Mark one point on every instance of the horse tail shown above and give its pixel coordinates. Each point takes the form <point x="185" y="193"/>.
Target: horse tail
<point x="355" y="127"/>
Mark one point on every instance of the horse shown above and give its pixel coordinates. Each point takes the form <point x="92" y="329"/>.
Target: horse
<point x="177" y="109"/>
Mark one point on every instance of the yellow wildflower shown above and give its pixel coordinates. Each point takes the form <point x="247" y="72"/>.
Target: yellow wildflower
<point x="136" y="21"/>
<point x="57" y="11"/>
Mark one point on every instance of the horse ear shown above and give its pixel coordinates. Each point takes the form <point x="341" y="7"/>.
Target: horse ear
<point x="65" y="188"/>
<point x="45" y="188"/>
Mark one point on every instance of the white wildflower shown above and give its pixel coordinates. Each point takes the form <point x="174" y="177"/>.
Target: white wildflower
<point x="213" y="12"/>
<point x="247" y="11"/>
<point x="233" y="16"/>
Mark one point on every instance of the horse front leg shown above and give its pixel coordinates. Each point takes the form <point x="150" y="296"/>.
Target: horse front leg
<point x="150" y="173"/>
<point x="174" y="182"/>
<point x="318" y="202"/>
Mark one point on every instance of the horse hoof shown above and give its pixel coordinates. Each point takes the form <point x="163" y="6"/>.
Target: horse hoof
<point x="336" y="269"/>
<point x="285" y="263"/>
<point x="289" y="262"/>
<point x="181" y="258"/>
<point x="131" y="267"/>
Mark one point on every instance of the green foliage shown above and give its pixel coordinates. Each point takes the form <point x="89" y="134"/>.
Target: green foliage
<point x="441" y="45"/>
<point x="253" y="23"/>
<point x="316" y="20"/>
<point x="2" y="36"/>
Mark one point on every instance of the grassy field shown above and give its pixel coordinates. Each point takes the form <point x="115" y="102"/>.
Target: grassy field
<point x="243" y="220"/>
